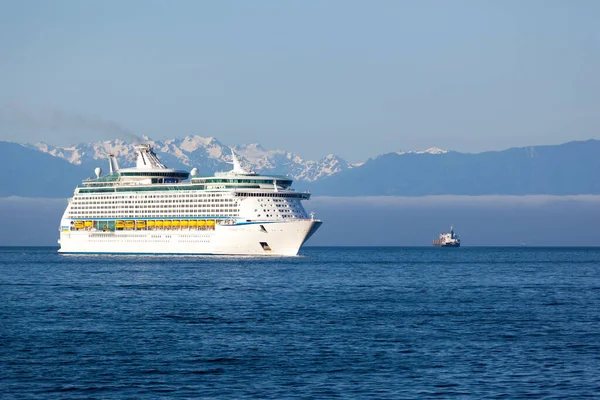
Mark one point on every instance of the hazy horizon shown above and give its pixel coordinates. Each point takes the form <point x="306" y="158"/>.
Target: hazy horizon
<point x="383" y="220"/>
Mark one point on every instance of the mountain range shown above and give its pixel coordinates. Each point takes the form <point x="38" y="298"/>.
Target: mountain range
<point x="44" y="170"/>
<point x="205" y="153"/>
<point x="568" y="169"/>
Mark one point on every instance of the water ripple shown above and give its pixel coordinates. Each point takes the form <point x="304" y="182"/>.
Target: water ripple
<point x="335" y="323"/>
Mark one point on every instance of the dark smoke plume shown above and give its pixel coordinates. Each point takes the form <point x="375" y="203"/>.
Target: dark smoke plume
<point x="59" y="127"/>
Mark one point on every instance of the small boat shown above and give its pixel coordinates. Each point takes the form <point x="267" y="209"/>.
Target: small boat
<point x="448" y="239"/>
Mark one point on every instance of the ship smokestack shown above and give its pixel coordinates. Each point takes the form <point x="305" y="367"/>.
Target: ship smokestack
<point x="113" y="163"/>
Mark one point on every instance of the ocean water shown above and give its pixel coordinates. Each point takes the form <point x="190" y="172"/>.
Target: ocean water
<point x="333" y="323"/>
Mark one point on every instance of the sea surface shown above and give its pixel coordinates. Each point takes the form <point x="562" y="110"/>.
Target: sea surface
<point x="389" y="323"/>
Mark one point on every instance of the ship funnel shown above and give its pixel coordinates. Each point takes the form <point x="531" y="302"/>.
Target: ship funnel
<point x="113" y="163"/>
<point x="146" y="158"/>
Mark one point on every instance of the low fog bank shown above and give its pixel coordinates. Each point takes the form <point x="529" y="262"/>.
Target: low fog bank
<point x="383" y="221"/>
<point x="479" y="220"/>
<point x="30" y="222"/>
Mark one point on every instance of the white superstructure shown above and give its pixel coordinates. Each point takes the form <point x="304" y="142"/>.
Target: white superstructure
<point x="448" y="239"/>
<point x="148" y="209"/>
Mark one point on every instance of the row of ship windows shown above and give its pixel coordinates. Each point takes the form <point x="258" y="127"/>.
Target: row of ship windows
<point x="124" y="216"/>
<point x="84" y="215"/>
<point x="156" y="201"/>
<point x="150" y="196"/>
<point x="93" y="215"/>
<point x="282" y="216"/>
<point x="98" y="200"/>
<point x="114" y="239"/>
<point x="121" y="236"/>
<point x="178" y="196"/>
<point x="276" y="210"/>
<point x="83" y="210"/>
<point x="285" y="195"/>
<point x="92" y="205"/>
<point x="155" y="212"/>
<point x="152" y="212"/>
<point x="154" y="207"/>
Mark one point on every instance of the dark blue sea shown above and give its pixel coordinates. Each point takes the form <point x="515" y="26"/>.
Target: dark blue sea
<point x="336" y="322"/>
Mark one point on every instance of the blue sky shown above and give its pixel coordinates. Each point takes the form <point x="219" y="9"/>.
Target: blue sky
<point x="353" y="78"/>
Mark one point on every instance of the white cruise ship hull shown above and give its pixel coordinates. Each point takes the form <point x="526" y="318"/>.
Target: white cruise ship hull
<point x="255" y="238"/>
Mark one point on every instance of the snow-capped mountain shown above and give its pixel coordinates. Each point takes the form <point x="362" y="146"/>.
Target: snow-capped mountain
<point x="205" y="153"/>
<point x="208" y="155"/>
<point x="431" y="150"/>
<point x="279" y="161"/>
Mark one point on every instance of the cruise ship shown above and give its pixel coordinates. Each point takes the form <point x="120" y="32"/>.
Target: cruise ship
<point x="152" y="209"/>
